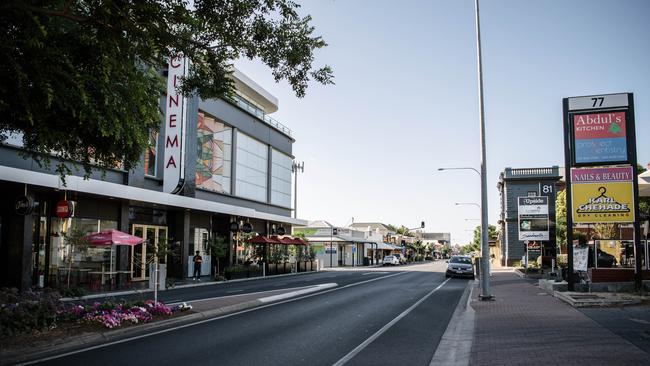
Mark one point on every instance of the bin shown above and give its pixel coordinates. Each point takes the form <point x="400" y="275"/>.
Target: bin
<point x="366" y="261"/>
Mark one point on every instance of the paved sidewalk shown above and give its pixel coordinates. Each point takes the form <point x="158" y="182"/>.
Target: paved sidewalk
<point x="526" y="326"/>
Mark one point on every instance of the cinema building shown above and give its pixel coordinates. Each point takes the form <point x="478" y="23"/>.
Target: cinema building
<point x="212" y="164"/>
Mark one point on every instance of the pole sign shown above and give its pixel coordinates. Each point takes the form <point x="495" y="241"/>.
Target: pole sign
<point x="175" y="119"/>
<point x="533" y="218"/>
<point x="602" y="195"/>
<point x="598" y="130"/>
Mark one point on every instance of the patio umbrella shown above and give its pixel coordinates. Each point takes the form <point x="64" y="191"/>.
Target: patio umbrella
<point x="112" y="237"/>
<point x="262" y="240"/>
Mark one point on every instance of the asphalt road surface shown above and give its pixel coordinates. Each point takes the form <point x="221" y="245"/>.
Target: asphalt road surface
<point x="378" y="316"/>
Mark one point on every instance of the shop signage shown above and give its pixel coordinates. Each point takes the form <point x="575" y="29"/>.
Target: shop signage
<point x="600" y="137"/>
<point x="602" y="195"/>
<point x="24" y="205"/>
<point x="63" y="209"/>
<point x="247" y="228"/>
<point x="533" y="218"/>
<point x="599" y="129"/>
<point x="533" y="246"/>
<point x="234" y="226"/>
<point x="175" y="119"/>
<point x="280" y="231"/>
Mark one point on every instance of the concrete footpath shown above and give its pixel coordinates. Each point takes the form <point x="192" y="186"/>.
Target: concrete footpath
<point x="524" y="325"/>
<point x="201" y="310"/>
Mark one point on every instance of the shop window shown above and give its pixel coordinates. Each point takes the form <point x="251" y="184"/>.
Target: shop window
<point x="252" y="168"/>
<point x="280" y="179"/>
<point x="151" y="154"/>
<point x="214" y="155"/>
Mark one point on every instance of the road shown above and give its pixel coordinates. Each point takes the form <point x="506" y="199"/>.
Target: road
<point x="375" y="316"/>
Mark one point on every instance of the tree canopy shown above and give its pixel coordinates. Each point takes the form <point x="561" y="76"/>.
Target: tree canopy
<point x="81" y="79"/>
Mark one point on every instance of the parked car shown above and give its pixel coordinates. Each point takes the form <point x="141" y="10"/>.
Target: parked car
<point x="460" y="266"/>
<point x="400" y="258"/>
<point x="390" y="260"/>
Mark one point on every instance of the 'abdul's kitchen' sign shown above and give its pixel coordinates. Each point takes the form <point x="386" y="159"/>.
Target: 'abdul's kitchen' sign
<point x="601" y="195"/>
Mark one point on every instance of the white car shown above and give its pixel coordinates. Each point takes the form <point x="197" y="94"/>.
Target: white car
<point x="390" y="259"/>
<point x="400" y="258"/>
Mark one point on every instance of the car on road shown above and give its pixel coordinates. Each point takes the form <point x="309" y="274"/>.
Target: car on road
<point x="460" y="266"/>
<point x="390" y="260"/>
<point x="400" y="258"/>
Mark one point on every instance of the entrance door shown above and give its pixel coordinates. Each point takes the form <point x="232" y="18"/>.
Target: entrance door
<point x="142" y="254"/>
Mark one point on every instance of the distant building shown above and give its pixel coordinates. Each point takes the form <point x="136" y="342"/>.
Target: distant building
<point x="527" y="182"/>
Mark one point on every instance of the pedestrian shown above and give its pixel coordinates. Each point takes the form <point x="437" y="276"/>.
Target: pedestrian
<point x="197" y="266"/>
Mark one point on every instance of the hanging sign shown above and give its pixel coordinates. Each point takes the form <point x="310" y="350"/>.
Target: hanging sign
<point x="24" y="205"/>
<point x="63" y="209"/>
<point x="175" y="119"/>
<point x="602" y="195"/>
<point x="533" y="218"/>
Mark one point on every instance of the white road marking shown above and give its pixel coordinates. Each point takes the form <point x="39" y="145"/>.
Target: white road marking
<point x="383" y="329"/>
<point x="373" y="273"/>
<point x="206" y="320"/>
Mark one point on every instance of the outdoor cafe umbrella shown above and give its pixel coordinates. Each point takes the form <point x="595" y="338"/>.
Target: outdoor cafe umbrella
<point x="112" y="237"/>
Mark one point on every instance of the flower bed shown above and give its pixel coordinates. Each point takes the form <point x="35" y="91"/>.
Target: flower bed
<point x="24" y="312"/>
<point x="111" y="315"/>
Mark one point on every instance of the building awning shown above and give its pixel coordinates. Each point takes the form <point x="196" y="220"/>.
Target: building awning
<point x="382" y="246"/>
<point x="644" y="184"/>
<point x="108" y="189"/>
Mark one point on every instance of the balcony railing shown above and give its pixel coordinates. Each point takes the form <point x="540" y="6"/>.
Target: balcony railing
<point x="532" y="172"/>
<point x="257" y="112"/>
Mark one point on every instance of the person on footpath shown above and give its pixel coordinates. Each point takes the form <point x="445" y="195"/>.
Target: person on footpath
<point x="198" y="260"/>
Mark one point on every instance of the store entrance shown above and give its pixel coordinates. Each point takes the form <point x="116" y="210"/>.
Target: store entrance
<point x="142" y="254"/>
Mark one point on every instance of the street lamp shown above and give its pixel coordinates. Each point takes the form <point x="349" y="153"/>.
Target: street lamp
<point x="472" y="219"/>
<point x="485" y="256"/>
<point x="461" y="168"/>
<point x="295" y="167"/>
<point x="467" y="203"/>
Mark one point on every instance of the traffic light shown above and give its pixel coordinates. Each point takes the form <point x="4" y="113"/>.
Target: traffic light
<point x="335" y="231"/>
<point x="422" y="226"/>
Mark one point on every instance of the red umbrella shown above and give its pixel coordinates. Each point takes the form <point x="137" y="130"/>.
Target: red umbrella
<point x="289" y="240"/>
<point x="262" y="240"/>
<point x="112" y="236"/>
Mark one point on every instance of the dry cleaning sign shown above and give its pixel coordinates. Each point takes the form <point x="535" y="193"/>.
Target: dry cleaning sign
<point x="601" y="195"/>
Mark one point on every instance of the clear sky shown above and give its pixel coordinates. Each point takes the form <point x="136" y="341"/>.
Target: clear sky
<point x="405" y="101"/>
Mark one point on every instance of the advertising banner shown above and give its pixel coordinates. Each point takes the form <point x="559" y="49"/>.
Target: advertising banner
<point x="602" y="195"/>
<point x="533" y="218"/>
<point x="600" y="137"/>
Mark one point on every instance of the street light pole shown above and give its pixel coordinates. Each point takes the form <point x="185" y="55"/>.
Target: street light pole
<point x="485" y="279"/>
<point x="295" y="167"/>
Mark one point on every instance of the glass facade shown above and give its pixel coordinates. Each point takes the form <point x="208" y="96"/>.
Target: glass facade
<point x="214" y="155"/>
<point x="150" y="155"/>
<point x="280" y="179"/>
<point x="252" y="168"/>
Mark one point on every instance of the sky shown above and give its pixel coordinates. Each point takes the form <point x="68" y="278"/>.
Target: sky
<point x="405" y="102"/>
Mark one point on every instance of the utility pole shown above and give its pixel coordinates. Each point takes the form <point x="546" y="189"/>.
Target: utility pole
<point x="295" y="167"/>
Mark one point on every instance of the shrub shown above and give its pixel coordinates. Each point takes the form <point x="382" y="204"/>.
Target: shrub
<point x="28" y="310"/>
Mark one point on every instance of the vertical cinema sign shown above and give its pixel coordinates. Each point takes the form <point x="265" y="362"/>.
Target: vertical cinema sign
<point x="175" y="117"/>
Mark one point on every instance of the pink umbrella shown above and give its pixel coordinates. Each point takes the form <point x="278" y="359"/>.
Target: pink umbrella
<point x="112" y="236"/>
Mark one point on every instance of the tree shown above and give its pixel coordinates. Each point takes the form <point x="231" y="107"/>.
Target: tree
<point x="81" y="79"/>
<point x="218" y="249"/>
<point x="77" y="243"/>
<point x="492" y="234"/>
